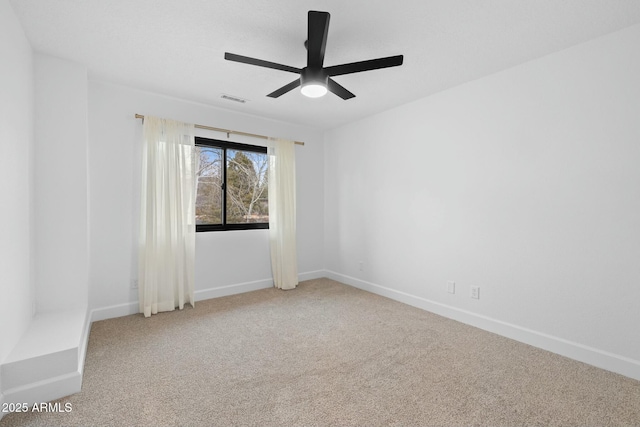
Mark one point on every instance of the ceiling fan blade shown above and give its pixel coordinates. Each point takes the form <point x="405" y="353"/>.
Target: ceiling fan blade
<point x="284" y="89"/>
<point x="317" y="38"/>
<point x="259" y="62"/>
<point x="372" y="64"/>
<point x="339" y="90"/>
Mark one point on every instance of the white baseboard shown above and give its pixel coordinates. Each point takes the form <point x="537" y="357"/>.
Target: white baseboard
<point x="592" y="356"/>
<point x="241" y="288"/>
<point x="238" y="288"/>
<point x="113" y="311"/>
<point x="127" y="309"/>
<point x="311" y="275"/>
<point x="84" y="343"/>
<point x="130" y="308"/>
<point x="46" y="390"/>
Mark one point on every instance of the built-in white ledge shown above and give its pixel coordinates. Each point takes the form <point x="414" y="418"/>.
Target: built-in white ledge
<point x="47" y="363"/>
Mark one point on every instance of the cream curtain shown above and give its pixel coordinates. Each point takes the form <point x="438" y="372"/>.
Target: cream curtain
<point x="282" y="212"/>
<point x="167" y="221"/>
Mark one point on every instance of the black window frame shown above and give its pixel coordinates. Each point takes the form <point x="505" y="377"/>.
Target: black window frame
<point x="226" y="145"/>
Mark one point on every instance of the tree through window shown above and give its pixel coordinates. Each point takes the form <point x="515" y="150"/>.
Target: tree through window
<point x="232" y="187"/>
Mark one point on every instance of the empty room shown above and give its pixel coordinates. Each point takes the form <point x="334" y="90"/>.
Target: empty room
<point x="319" y="213"/>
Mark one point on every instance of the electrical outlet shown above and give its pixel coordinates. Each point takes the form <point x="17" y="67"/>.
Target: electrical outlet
<point x="475" y="292"/>
<point x="451" y="287"/>
<point x="134" y="284"/>
<point x="361" y="265"/>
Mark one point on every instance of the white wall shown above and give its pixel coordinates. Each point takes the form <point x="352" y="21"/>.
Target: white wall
<point x="223" y="259"/>
<point x="16" y="165"/>
<point x="525" y="183"/>
<point x="61" y="199"/>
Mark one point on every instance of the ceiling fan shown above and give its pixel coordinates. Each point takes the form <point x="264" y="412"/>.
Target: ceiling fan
<point x="315" y="79"/>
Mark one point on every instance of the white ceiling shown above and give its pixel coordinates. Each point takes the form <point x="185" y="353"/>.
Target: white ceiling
<point x="176" y="47"/>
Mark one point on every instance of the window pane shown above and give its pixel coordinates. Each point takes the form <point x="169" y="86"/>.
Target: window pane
<point x="247" y="189"/>
<point x="209" y="185"/>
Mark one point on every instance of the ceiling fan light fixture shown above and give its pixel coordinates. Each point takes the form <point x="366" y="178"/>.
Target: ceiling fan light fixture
<point x="314" y="90"/>
<point x="313" y="82"/>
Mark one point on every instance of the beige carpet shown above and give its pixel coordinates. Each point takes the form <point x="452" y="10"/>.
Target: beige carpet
<point x="328" y="354"/>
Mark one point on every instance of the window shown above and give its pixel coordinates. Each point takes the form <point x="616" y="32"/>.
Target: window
<point x="231" y="186"/>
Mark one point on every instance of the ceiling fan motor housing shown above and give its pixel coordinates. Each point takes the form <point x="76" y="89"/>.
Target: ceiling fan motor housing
<point x="313" y="76"/>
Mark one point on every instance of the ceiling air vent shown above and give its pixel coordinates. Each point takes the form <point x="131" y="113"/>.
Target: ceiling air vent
<point x="233" y="98"/>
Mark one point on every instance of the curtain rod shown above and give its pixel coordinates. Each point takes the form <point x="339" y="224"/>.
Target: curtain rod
<point x="227" y="131"/>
